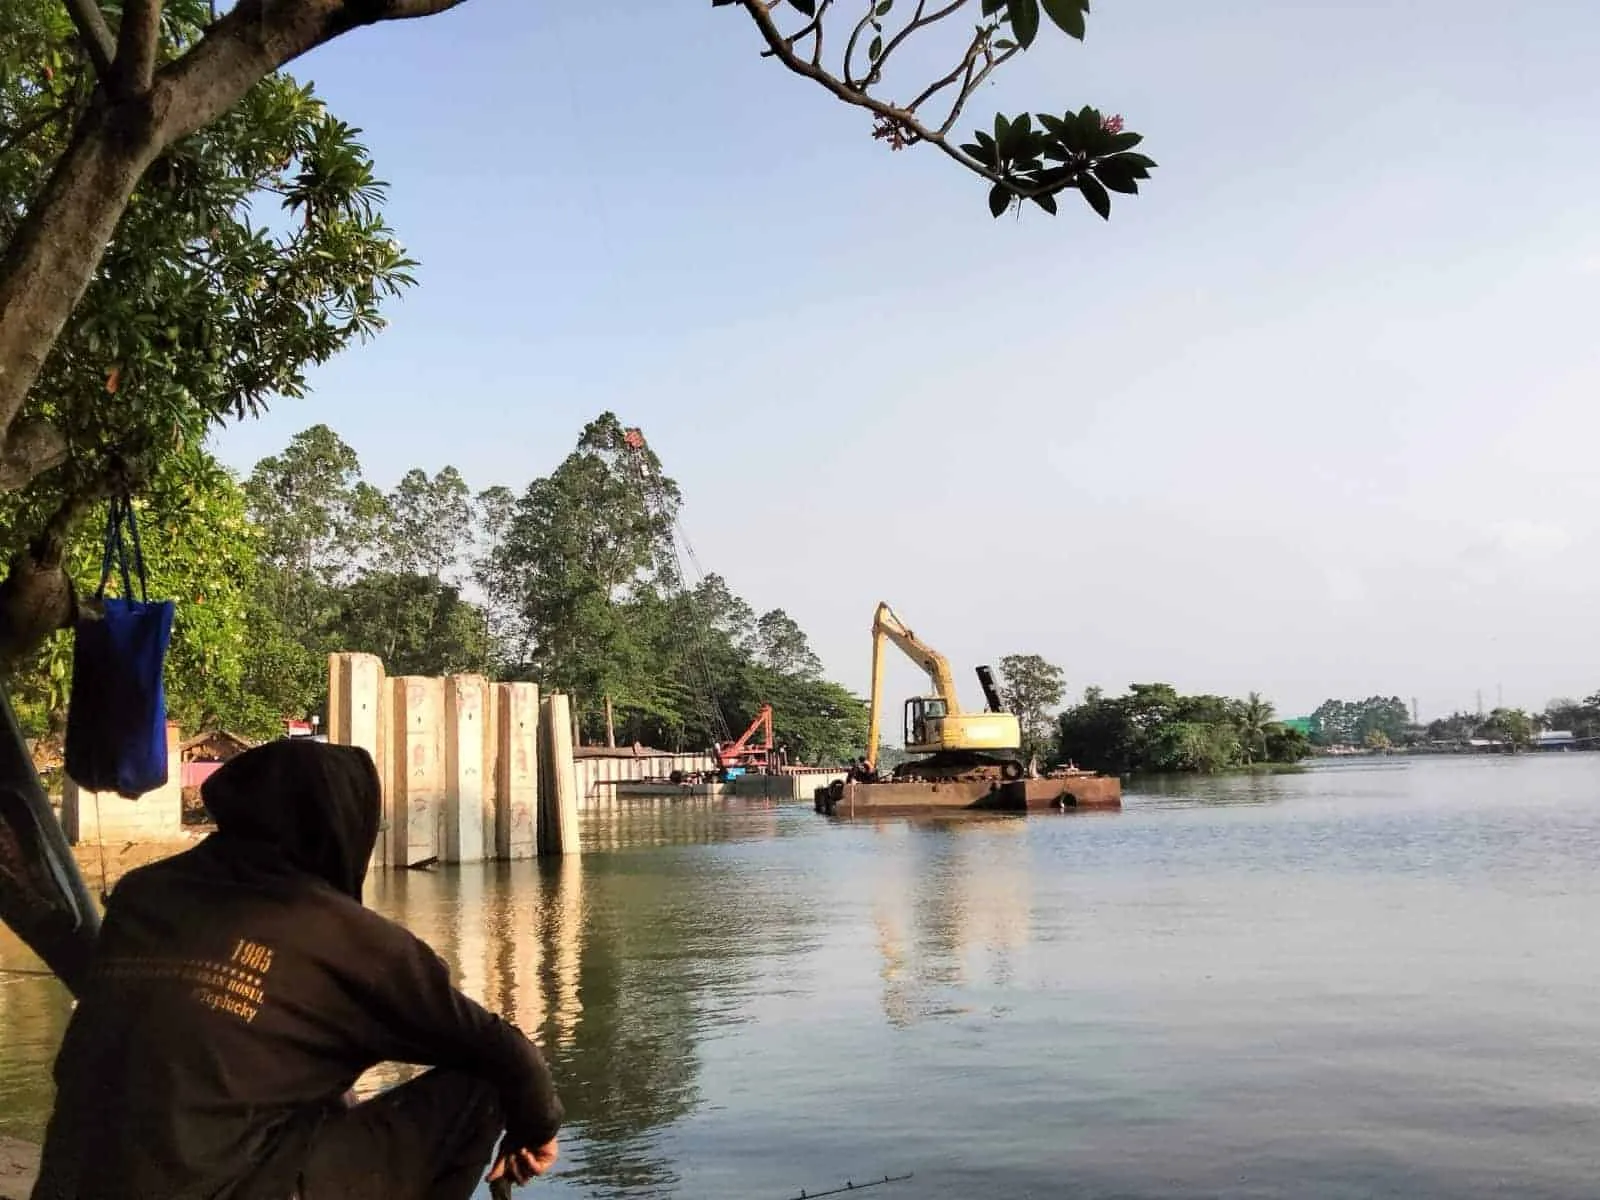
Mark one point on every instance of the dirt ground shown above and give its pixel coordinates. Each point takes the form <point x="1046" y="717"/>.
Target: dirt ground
<point x="19" y="1163"/>
<point x="122" y="857"/>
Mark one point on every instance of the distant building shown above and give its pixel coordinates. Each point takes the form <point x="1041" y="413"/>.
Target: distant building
<point x="1554" y="739"/>
<point x="204" y="753"/>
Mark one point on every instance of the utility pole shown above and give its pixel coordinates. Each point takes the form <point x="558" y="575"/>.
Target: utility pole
<point x="1415" y="720"/>
<point x="1480" y="704"/>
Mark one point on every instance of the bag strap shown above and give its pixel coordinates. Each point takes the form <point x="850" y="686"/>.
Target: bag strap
<point x="116" y="551"/>
<point x="138" y="550"/>
<point x="113" y="553"/>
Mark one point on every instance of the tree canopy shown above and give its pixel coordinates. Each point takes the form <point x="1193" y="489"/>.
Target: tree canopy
<point x="246" y="253"/>
<point x="1155" y="730"/>
<point x="1032" y="688"/>
<point x="1348" y="722"/>
<point x="586" y="577"/>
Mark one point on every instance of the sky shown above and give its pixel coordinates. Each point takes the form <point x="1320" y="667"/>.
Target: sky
<point x="1313" y="416"/>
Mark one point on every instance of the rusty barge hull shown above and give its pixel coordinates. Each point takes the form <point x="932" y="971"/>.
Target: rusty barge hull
<point x="1063" y="794"/>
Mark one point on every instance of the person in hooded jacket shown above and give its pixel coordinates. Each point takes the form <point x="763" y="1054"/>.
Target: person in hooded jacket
<point x="238" y="990"/>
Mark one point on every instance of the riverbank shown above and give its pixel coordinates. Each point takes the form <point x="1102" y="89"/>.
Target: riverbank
<point x="103" y="866"/>
<point x="19" y="1166"/>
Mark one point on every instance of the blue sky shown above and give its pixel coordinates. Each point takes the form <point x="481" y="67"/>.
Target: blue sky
<point x="1314" y="415"/>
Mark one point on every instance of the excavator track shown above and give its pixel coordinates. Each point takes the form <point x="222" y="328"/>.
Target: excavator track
<point x="960" y="766"/>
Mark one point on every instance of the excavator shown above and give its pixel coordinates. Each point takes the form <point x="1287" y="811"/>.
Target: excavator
<point x="956" y="744"/>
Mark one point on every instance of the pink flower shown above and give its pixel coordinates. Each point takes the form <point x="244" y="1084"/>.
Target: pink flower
<point x="1112" y="124"/>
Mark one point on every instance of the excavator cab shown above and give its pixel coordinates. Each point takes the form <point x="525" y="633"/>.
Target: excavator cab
<point x="924" y="722"/>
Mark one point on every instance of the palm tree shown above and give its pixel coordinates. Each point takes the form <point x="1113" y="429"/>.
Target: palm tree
<point x="1254" y="717"/>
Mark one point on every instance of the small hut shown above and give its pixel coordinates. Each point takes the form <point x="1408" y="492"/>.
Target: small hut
<point x="200" y="757"/>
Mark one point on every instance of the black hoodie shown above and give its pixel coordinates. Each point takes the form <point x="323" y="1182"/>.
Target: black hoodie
<point x="240" y="988"/>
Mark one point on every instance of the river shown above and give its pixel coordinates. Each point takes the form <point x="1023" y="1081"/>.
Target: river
<point x="1370" y="979"/>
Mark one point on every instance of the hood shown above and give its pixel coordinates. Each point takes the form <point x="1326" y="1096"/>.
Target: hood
<point x="316" y="803"/>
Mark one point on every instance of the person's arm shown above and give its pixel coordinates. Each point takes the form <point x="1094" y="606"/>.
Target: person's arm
<point x="415" y="1014"/>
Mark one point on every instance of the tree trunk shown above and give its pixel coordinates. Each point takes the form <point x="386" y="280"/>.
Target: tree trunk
<point x="57" y="249"/>
<point x="611" y="727"/>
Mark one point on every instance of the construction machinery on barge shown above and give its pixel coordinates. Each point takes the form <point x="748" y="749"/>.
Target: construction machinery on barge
<point x="960" y="760"/>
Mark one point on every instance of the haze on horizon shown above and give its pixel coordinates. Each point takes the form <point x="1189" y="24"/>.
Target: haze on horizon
<point x="1313" y="416"/>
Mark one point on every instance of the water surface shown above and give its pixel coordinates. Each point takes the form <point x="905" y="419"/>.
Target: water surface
<point x="1371" y="979"/>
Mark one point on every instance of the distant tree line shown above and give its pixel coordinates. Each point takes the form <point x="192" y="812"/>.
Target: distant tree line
<point x="1380" y="723"/>
<point x="1155" y="730"/>
<point x="573" y="583"/>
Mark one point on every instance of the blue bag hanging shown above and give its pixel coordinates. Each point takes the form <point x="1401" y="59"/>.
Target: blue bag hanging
<point x="117" y="710"/>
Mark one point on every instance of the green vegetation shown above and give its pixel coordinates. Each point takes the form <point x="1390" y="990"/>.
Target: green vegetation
<point x="247" y="253"/>
<point x="1154" y="730"/>
<point x="1032" y="688"/>
<point x="574" y="584"/>
<point x="1350" y="722"/>
<point x="1512" y="726"/>
<point x="1381" y="724"/>
<point x="586" y="592"/>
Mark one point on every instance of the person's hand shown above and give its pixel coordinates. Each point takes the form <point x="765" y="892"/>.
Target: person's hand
<point x="519" y="1166"/>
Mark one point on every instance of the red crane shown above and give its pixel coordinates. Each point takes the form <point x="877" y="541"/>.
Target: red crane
<point x="743" y="753"/>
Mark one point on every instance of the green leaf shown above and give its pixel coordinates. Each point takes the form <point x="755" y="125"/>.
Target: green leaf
<point x="806" y="8"/>
<point x="883" y="9"/>
<point x="1068" y="15"/>
<point x="1096" y="196"/>
<point x="999" y="199"/>
<point x="1024" y="16"/>
<point x="1015" y="137"/>
<point x="1047" y="202"/>
<point x="1118" y="176"/>
<point x="876" y="48"/>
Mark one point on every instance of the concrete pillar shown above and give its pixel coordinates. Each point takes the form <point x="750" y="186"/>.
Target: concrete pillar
<point x="488" y="761"/>
<point x="357" y="717"/>
<point x="516" y="774"/>
<point x="558" y="830"/>
<point x="418" y="774"/>
<point x="465" y="699"/>
<point x="338" y="720"/>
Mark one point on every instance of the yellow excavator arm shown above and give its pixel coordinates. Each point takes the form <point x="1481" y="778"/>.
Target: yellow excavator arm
<point x="888" y="627"/>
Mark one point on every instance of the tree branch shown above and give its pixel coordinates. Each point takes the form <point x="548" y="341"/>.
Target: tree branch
<point x="94" y="33"/>
<point x="138" y="40"/>
<point x="23" y="132"/>
<point x="255" y="38"/>
<point x="918" y="20"/>
<point x="894" y="115"/>
<point x="405" y="10"/>
<point x="972" y="83"/>
<point x="850" y="79"/>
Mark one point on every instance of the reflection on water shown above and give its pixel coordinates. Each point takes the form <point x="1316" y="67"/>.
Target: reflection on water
<point x="1368" y="979"/>
<point x="950" y="909"/>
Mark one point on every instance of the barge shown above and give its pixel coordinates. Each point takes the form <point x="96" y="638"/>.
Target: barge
<point x="1067" y="791"/>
